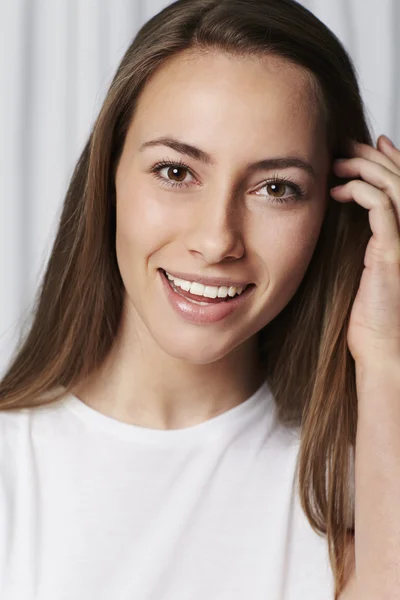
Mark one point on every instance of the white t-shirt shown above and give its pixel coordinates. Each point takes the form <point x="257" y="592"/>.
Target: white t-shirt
<point x="92" y="508"/>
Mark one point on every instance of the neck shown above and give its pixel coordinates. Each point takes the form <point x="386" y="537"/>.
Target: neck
<point x="141" y="385"/>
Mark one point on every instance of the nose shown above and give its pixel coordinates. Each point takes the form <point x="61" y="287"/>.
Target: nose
<point x="216" y="232"/>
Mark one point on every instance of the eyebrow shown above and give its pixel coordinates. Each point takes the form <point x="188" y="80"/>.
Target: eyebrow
<point x="279" y="162"/>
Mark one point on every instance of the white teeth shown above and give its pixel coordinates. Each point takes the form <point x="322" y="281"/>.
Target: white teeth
<point x="222" y="291"/>
<point x="209" y="291"/>
<point x="196" y="288"/>
<point x="185" y="285"/>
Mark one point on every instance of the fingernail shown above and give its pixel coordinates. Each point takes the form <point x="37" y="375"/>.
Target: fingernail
<point x="387" y="140"/>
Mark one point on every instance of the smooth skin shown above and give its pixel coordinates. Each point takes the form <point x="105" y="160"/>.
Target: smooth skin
<point x="223" y="220"/>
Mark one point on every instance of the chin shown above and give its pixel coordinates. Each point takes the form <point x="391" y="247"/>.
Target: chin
<point x="194" y="349"/>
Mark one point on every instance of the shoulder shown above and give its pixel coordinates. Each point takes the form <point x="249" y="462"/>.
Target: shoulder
<point x="12" y="424"/>
<point x="12" y="420"/>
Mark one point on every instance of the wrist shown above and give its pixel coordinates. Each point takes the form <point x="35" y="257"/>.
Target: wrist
<point x="381" y="372"/>
<point x="378" y="395"/>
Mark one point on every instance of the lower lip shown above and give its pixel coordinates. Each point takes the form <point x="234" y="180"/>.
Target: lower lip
<point x="197" y="313"/>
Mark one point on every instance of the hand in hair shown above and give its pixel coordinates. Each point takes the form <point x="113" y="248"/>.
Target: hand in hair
<point x="374" y="341"/>
<point x="374" y="328"/>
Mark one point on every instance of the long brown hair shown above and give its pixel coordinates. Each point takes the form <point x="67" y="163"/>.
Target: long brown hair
<point x="307" y="362"/>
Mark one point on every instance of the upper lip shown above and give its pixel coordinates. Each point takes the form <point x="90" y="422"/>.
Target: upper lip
<point x="215" y="281"/>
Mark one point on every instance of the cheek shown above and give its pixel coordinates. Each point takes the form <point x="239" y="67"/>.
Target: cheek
<point x="291" y="234"/>
<point x="286" y="247"/>
<point x="296" y="245"/>
<point x="292" y="258"/>
<point x="144" y="223"/>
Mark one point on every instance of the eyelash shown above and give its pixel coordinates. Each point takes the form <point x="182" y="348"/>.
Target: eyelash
<point x="299" y="190"/>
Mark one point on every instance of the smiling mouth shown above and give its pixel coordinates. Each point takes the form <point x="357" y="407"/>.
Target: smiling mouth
<point x="203" y="300"/>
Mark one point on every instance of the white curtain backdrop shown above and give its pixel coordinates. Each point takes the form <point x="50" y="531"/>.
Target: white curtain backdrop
<point x="57" y="58"/>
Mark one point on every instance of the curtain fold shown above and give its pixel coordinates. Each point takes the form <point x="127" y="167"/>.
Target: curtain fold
<point x="57" y="58"/>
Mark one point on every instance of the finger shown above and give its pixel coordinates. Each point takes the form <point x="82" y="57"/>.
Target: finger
<point x="390" y="159"/>
<point x="382" y="215"/>
<point x="384" y="144"/>
<point x="375" y="174"/>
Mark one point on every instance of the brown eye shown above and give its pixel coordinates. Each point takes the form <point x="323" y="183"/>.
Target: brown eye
<point x="176" y="173"/>
<point x="172" y="174"/>
<point x="274" y="189"/>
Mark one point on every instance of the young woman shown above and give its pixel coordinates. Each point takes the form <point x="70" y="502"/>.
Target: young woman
<point x="216" y="329"/>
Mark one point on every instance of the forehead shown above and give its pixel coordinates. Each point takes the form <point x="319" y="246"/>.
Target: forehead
<point x="220" y="101"/>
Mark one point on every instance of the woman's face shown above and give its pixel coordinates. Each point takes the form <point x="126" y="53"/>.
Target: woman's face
<point x="218" y="216"/>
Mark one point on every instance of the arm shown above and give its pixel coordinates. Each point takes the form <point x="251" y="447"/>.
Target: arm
<point x="377" y="486"/>
<point x="377" y="483"/>
<point x="373" y="338"/>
